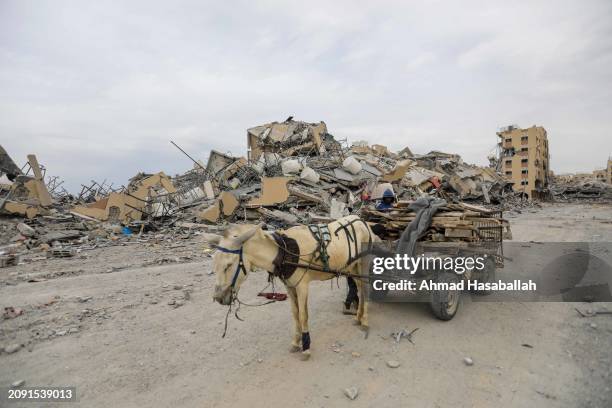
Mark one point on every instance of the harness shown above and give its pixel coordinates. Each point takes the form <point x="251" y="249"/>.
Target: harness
<point x="239" y="267"/>
<point x="288" y="257"/>
<point x="321" y="234"/>
<point x="351" y="236"/>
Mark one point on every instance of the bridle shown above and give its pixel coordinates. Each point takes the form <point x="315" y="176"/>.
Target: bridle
<point x="239" y="267"/>
<point x="234" y="294"/>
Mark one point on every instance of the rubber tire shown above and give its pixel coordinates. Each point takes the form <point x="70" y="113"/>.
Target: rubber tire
<point x="486" y="275"/>
<point x="440" y="298"/>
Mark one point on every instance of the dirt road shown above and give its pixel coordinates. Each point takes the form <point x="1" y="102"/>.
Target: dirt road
<point x="134" y="326"/>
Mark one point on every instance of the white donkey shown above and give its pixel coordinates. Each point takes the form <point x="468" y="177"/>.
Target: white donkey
<point x="295" y="256"/>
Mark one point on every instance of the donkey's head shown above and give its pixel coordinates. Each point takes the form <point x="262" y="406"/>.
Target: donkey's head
<point x="230" y="263"/>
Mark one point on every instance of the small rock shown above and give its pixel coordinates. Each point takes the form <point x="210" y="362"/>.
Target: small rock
<point x="260" y="360"/>
<point x="26" y="230"/>
<point x="12" y="348"/>
<point x="356" y="354"/>
<point x="178" y="287"/>
<point x="393" y="363"/>
<point x="179" y="303"/>
<point x="60" y="333"/>
<point x="192" y="332"/>
<point x="171" y="302"/>
<point x="593" y="326"/>
<point x="18" y="383"/>
<point x="468" y="361"/>
<point x="351" y="393"/>
<point x="73" y="330"/>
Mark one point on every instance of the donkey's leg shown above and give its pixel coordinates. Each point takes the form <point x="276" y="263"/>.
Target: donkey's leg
<point x="359" y="315"/>
<point x="302" y="296"/>
<point x="362" y="309"/>
<point x="297" y="335"/>
<point x="363" y="297"/>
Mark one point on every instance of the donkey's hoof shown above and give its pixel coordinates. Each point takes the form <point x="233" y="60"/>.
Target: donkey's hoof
<point x="356" y="322"/>
<point x="366" y="330"/>
<point x="294" y="349"/>
<point x="348" y="310"/>
<point x="305" y="356"/>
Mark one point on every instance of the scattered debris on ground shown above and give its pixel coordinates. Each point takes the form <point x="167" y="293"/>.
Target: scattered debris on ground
<point x="582" y="190"/>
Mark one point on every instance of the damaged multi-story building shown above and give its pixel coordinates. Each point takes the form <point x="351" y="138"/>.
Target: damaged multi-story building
<point x="525" y="159"/>
<point x="604" y="175"/>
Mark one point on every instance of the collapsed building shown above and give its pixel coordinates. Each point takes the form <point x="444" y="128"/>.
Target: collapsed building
<point x="294" y="172"/>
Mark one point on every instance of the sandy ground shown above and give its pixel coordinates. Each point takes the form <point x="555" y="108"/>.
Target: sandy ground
<point x="103" y="323"/>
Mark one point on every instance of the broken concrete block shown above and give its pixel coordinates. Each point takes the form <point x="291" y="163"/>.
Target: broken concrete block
<point x="291" y="166"/>
<point x="41" y="189"/>
<point x="294" y="190"/>
<point x="273" y="191"/>
<point x="336" y="209"/>
<point x="398" y="171"/>
<point x="234" y="183"/>
<point x="208" y="190"/>
<point x="26" y="230"/>
<point x="309" y="174"/>
<point x="12" y="207"/>
<point x="210" y="214"/>
<point x="228" y="203"/>
<point x="63" y="235"/>
<point x="7" y="165"/>
<point x="285" y="217"/>
<point x="351" y="165"/>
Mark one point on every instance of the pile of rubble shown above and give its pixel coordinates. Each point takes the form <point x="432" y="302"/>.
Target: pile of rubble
<point x="294" y="173"/>
<point x="581" y="190"/>
<point x="297" y="172"/>
<point x="452" y="223"/>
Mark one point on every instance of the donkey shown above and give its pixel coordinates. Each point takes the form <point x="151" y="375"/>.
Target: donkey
<point x="244" y="248"/>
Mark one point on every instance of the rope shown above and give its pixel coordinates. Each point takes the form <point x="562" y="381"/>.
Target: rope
<point x="236" y="300"/>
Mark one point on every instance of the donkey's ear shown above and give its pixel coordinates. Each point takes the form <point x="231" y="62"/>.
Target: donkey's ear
<point x="213" y="239"/>
<point x="247" y="235"/>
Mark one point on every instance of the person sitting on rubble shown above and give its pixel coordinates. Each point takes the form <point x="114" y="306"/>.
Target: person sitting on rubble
<point x="387" y="202"/>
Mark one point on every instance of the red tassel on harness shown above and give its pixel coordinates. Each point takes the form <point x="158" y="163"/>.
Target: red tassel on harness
<point x="273" y="296"/>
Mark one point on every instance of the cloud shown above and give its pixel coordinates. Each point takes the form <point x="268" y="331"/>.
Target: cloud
<point x="97" y="89"/>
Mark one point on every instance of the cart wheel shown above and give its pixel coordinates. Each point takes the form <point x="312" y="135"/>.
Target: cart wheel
<point x="485" y="276"/>
<point x="444" y="303"/>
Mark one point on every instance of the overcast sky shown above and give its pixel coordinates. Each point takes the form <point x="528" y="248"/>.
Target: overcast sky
<point x="98" y="88"/>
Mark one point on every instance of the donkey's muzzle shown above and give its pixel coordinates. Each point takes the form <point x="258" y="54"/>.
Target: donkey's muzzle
<point x="222" y="294"/>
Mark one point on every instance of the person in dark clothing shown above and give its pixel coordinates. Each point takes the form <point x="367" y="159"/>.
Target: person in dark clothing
<point x="387" y="201"/>
<point x="352" y="298"/>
